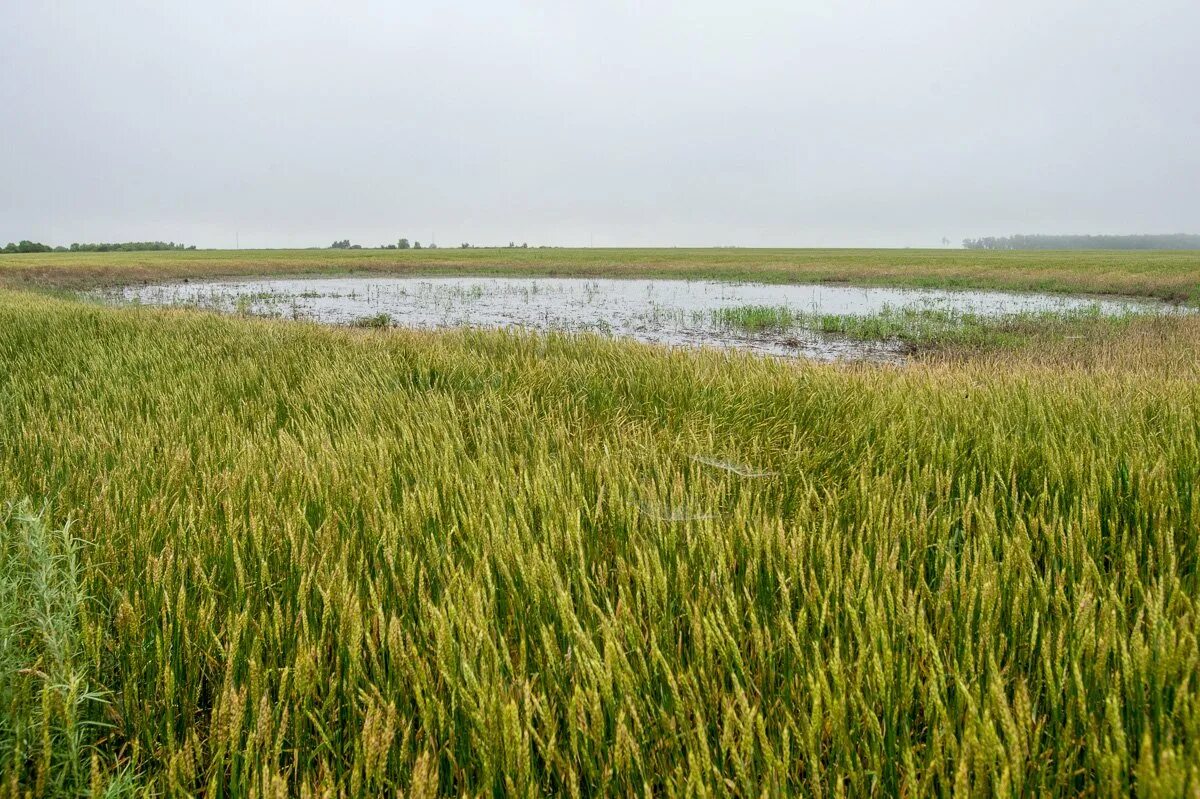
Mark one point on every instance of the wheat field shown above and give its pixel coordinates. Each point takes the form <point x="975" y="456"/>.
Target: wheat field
<point x="262" y="558"/>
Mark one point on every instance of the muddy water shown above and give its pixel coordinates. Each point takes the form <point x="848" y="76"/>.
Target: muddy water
<point x="672" y="312"/>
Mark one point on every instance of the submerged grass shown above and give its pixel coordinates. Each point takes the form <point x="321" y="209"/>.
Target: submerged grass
<point x="376" y="321"/>
<point x="343" y="562"/>
<point x="926" y="327"/>
<point x="758" y="318"/>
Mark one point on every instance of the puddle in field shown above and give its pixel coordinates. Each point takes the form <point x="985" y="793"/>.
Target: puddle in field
<point x="672" y="312"/>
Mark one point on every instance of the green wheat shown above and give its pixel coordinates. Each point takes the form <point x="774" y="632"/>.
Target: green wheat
<point x="337" y="562"/>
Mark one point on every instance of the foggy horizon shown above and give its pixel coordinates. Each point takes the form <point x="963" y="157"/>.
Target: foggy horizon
<point x="700" y="125"/>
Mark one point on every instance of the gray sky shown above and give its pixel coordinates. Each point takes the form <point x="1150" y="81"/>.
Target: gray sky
<point x="657" y="123"/>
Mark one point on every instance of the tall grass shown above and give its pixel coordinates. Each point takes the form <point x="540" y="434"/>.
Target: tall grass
<point x="324" y="562"/>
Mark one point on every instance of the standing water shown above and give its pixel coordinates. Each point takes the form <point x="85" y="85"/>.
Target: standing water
<point x="672" y="312"/>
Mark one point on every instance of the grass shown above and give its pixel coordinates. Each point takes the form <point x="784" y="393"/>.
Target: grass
<point x="312" y="561"/>
<point x="1161" y="274"/>
<point x="930" y="328"/>
<point x="377" y="321"/>
<point x="759" y="318"/>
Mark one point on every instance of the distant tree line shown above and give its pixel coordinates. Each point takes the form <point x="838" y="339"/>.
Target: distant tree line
<point x="121" y="246"/>
<point x="131" y="246"/>
<point x="405" y="244"/>
<point x="1169" y="241"/>
<point x="402" y="244"/>
<point x="29" y="246"/>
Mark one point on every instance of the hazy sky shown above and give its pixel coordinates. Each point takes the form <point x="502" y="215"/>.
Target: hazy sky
<point x="657" y="123"/>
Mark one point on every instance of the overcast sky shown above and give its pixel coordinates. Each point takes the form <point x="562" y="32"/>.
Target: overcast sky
<point x="658" y="123"/>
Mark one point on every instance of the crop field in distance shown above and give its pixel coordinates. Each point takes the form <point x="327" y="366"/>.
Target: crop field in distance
<point x="1163" y="274"/>
<point x="266" y="557"/>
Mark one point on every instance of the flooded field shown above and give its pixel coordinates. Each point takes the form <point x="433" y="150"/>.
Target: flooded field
<point x="669" y="312"/>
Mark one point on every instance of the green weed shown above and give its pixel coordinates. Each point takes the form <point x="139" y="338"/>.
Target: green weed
<point x="49" y="709"/>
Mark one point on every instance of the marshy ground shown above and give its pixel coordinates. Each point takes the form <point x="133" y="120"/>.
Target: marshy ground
<point x="255" y="556"/>
<point x="817" y="321"/>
